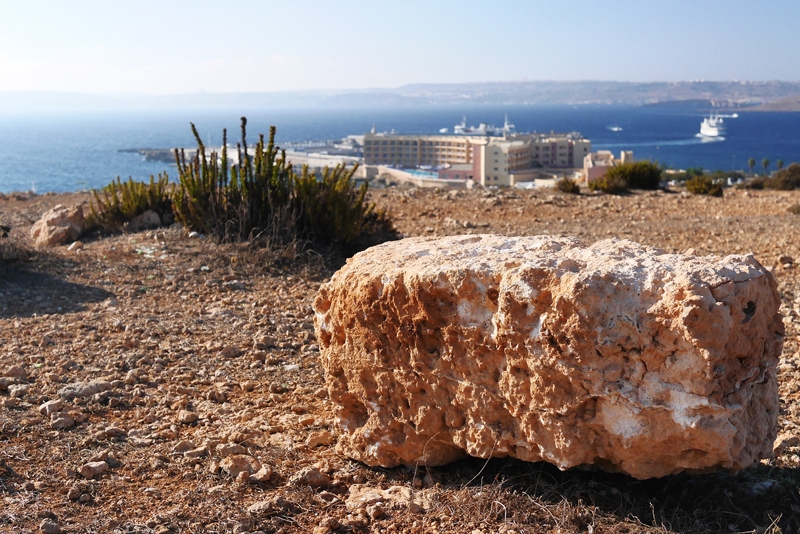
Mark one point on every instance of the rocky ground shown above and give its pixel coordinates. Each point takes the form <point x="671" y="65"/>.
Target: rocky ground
<point x="153" y="382"/>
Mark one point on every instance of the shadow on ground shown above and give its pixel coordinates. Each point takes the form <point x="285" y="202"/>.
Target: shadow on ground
<point x="760" y="499"/>
<point x="25" y="292"/>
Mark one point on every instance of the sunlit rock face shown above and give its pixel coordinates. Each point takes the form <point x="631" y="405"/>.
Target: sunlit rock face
<point x="58" y="226"/>
<point x="614" y="355"/>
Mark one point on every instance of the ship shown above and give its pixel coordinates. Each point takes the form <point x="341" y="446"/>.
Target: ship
<point x="712" y="126"/>
<point x="482" y="129"/>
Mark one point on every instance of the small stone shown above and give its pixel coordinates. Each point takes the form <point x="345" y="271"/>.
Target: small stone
<point x="76" y="245"/>
<point x="53" y="378"/>
<point x="16" y="371"/>
<point x="262" y="475"/>
<point x="61" y="420"/>
<point x="243" y="477"/>
<point x="376" y="511"/>
<point x="275" y="387"/>
<point x="237" y="463"/>
<point x="322" y="437"/>
<point x="311" y="476"/>
<point x="785" y="441"/>
<point x="186" y="417"/>
<point x="328" y="497"/>
<point x="214" y="468"/>
<point x="271" y="507"/>
<point x="50" y="407"/>
<point x="48" y="526"/>
<point x="81" y="390"/>
<point x="74" y="492"/>
<point x="59" y="225"/>
<point x="330" y="523"/>
<point x="263" y="341"/>
<point x="183" y="446"/>
<point x="101" y="456"/>
<point x="85" y="497"/>
<point x="93" y="469"/>
<point x="144" y="221"/>
<point x="13" y="402"/>
<point x="197" y="453"/>
<point x="227" y="449"/>
<point x="78" y="416"/>
<point x="304" y="420"/>
<point x="234" y="285"/>
<point x="216" y="395"/>
<point x="18" y="390"/>
<point x="415" y="508"/>
<point x="114" y="432"/>
<point x="355" y="522"/>
<point x="230" y="352"/>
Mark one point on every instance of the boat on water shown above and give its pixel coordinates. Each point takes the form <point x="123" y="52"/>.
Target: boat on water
<point x="712" y="126"/>
<point x="482" y="129"/>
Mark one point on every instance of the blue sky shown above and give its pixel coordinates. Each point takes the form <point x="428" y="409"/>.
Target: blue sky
<point x="176" y="46"/>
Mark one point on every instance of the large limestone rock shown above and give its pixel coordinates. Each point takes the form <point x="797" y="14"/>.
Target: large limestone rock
<point x="58" y="226"/>
<point x="614" y="355"/>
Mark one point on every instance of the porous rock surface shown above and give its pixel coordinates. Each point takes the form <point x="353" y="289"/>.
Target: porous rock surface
<point x="541" y="348"/>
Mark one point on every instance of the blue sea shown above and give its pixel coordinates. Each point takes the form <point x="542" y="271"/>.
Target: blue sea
<point x="69" y="152"/>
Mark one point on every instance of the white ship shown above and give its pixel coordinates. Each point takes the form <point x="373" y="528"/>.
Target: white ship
<point x="482" y="129"/>
<point x="712" y="126"/>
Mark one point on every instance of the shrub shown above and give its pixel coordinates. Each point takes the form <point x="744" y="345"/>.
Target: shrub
<point x="638" y="175"/>
<point x="755" y="183"/>
<point x="333" y="210"/>
<point x="119" y="202"/>
<point x="565" y="185"/>
<point x="13" y="251"/>
<point x="785" y="179"/>
<point x="704" y="185"/>
<point x="262" y="197"/>
<point x="609" y="183"/>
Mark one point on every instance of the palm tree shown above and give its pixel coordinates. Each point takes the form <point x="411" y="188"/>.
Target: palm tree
<point x="779" y="164"/>
<point x="751" y="163"/>
<point x="765" y="164"/>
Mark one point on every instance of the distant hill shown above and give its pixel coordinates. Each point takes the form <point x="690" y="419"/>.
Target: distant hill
<point x="791" y="103"/>
<point x="776" y="95"/>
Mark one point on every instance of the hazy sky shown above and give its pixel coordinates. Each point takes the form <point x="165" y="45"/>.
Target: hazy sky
<point x="176" y="46"/>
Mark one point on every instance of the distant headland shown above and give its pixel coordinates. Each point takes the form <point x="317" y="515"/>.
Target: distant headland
<point x="744" y="95"/>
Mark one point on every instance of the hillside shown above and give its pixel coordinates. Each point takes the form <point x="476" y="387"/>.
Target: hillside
<point x="202" y="353"/>
<point x="727" y="94"/>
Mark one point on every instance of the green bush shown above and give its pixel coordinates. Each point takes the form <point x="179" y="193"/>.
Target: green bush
<point x="704" y="185"/>
<point x="640" y="175"/>
<point x="565" y="185"/>
<point x="262" y="197"/>
<point x="784" y="180"/>
<point x="619" y="179"/>
<point x="119" y="202"/>
<point x="755" y="183"/>
<point x="611" y="183"/>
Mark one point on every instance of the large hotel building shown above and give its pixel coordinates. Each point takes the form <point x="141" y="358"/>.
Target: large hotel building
<point x="489" y="160"/>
